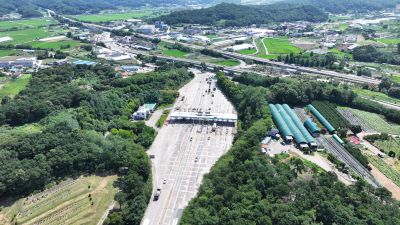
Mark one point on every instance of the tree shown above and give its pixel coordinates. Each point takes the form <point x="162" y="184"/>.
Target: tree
<point x="356" y="129"/>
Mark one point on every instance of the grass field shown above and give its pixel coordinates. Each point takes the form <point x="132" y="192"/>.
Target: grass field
<point x="343" y="26"/>
<point x="396" y="78"/>
<point x="226" y="62"/>
<point x="248" y="51"/>
<point x="22" y="24"/>
<point x="389" y="145"/>
<point x="13" y="87"/>
<point x="175" y="53"/>
<point x="376" y="95"/>
<point x="6" y="52"/>
<point x="341" y="54"/>
<point x="280" y="46"/>
<point x="24" y="36"/>
<point x="261" y="50"/>
<point x="97" y="18"/>
<point x="389" y="41"/>
<point x="80" y="201"/>
<point x="376" y="122"/>
<point x="54" y="45"/>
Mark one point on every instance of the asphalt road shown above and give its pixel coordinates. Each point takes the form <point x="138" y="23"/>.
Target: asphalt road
<point x="183" y="153"/>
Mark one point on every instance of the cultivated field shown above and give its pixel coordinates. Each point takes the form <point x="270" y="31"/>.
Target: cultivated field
<point x="175" y="53"/>
<point x="25" y="36"/>
<point x="329" y="111"/>
<point x="376" y="96"/>
<point x="226" y="62"/>
<point x="389" y="145"/>
<point x="54" y="45"/>
<point x="280" y="46"/>
<point x="353" y="119"/>
<point x="12" y="87"/>
<point x="23" y="24"/>
<point x="262" y="53"/>
<point x="74" y="201"/>
<point x="248" y="51"/>
<point x="386" y="169"/>
<point x="389" y="41"/>
<point x="377" y="122"/>
<point x="107" y="17"/>
<point x="6" y="52"/>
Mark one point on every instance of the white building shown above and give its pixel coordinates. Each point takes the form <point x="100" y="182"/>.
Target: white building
<point x="147" y="29"/>
<point x="29" y="62"/>
<point x="240" y="47"/>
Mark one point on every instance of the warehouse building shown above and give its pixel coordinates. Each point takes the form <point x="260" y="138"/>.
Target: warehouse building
<point x="281" y="124"/>
<point x="291" y="128"/>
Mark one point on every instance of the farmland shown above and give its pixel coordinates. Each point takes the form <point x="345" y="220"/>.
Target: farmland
<point x="328" y="110"/>
<point x="13" y="87"/>
<point x="248" y="51"/>
<point x="262" y="53"/>
<point x="226" y="62"/>
<point x="389" y="41"/>
<point x="54" y="45"/>
<point x="73" y="201"/>
<point x="376" y="95"/>
<point x="377" y="122"/>
<point x="280" y="46"/>
<point x="24" y="24"/>
<point x="25" y="36"/>
<point x="386" y="169"/>
<point x="175" y="53"/>
<point x="389" y="145"/>
<point x="6" y="52"/>
<point x="107" y="17"/>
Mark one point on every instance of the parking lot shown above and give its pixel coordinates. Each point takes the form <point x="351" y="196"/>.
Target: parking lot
<point x="184" y="152"/>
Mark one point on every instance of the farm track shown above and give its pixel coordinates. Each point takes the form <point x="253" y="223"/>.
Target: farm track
<point x="342" y="154"/>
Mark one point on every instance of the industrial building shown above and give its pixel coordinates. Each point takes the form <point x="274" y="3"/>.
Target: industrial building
<point x="144" y="111"/>
<point x="322" y="119"/>
<point x="291" y="128"/>
<point x="18" y="61"/>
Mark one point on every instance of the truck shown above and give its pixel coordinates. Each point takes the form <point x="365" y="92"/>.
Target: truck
<point x="214" y="127"/>
<point x="157" y="194"/>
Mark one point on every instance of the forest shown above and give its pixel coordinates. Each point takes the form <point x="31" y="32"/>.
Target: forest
<point x="279" y="191"/>
<point x="240" y="15"/>
<point x="81" y="117"/>
<point x="340" y="6"/>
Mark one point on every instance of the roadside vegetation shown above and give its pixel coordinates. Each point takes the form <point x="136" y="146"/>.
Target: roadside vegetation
<point x="163" y="117"/>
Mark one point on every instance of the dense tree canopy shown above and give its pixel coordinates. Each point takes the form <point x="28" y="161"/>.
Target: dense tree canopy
<point x="240" y="15"/>
<point x="82" y="114"/>
<point x="246" y="187"/>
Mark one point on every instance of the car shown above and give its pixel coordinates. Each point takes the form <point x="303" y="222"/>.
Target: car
<point x="191" y="138"/>
<point x="164" y="181"/>
<point x="196" y="159"/>
<point x="157" y="194"/>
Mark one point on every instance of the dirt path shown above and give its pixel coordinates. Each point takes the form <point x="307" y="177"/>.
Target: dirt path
<point x="386" y="182"/>
<point x="104" y="216"/>
<point x="324" y="164"/>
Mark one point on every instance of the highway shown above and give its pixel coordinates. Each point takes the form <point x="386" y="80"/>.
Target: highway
<point x="184" y="152"/>
<point x="341" y="76"/>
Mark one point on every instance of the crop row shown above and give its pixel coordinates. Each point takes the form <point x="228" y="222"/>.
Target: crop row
<point x="386" y="169"/>
<point x="328" y="110"/>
